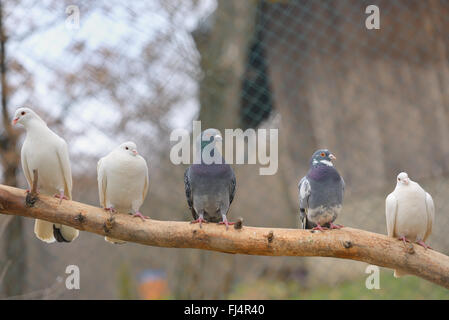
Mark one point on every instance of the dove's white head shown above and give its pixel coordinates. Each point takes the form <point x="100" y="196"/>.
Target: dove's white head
<point x="24" y="116"/>
<point x="128" y="148"/>
<point x="403" y="179"/>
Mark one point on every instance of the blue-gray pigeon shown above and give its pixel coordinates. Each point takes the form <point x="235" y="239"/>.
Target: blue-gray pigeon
<point x="210" y="186"/>
<point x="321" y="193"/>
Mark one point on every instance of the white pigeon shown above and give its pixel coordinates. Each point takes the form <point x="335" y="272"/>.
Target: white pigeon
<point x="410" y="213"/>
<point x="123" y="181"/>
<point x="45" y="151"/>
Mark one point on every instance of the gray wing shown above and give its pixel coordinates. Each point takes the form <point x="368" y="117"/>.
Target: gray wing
<point x="304" y="194"/>
<point x="232" y="188"/>
<point x="188" y="189"/>
<point x="189" y="193"/>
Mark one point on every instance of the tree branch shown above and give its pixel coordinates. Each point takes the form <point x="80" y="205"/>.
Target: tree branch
<point x="346" y="243"/>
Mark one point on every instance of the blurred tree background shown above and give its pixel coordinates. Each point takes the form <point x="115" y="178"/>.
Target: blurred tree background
<point x="137" y="70"/>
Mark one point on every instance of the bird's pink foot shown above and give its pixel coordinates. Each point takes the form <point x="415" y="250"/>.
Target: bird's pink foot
<point x="140" y="215"/>
<point x="200" y="220"/>
<point x="61" y="196"/>
<point x="319" y="227"/>
<point x="335" y="226"/>
<point x="111" y="210"/>
<point x="404" y="239"/>
<point x="421" y="243"/>
<point x="226" y="223"/>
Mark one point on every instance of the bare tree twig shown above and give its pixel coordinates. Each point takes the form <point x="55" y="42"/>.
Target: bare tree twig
<point x="346" y="243"/>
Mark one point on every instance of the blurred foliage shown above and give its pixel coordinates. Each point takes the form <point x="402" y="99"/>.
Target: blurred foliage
<point x="408" y="287"/>
<point x="126" y="285"/>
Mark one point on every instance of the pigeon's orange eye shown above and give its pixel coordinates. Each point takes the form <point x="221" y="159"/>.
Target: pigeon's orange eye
<point x="23" y="113"/>
<point x="322" y="154"/>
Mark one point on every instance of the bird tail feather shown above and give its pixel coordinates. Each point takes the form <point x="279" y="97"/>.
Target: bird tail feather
<point x="399" y="273"/>
<point x="44" y="231"/>
<point x="114" y="241"/>
<point x="50" y="232"/>
<point x="303" y="223"/>
<point x="68" y="233"/>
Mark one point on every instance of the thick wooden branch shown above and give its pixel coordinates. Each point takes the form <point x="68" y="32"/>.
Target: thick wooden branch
<point x="346" y="243"/>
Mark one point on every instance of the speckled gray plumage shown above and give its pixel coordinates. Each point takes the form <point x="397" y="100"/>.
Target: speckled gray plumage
<point x="320" y="192"/>
<point x="210" y="188"/>
<point x="209" y="185"/>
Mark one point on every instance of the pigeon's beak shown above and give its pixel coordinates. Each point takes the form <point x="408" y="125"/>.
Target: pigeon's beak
<point x="14" y="121"/>
<point x="218" y="138"/>
<point x="406" y="181"/>
<point x="135" y="152"/>
<point x="332" y="157"/>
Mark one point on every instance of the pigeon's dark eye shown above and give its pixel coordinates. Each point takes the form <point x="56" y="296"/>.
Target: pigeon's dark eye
<point x="23" y="113"/>
<point x="126" y="148"/>
<point x="322" y="154"/>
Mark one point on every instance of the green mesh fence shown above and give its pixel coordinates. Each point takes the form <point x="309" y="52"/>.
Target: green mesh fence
<point x="377" y="98"/>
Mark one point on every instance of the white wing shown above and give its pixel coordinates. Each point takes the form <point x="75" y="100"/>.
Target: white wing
<point x="391" y="209"/>
<point x="147" y="182"/>
<point x="102" y="182"/>
<point x="26" y="170"/>
<point x="64" y="162"/>
<point x="430" y="215"/>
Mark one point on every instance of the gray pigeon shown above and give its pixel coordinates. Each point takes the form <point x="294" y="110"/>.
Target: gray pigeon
<point x="210" y="188"/>
<point x="321" y="193"/>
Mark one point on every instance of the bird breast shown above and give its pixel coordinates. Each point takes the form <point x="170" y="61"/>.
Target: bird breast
<point x="44" y="158"/>
<point x="125" y="182"/>
<point x="411" y="218"/>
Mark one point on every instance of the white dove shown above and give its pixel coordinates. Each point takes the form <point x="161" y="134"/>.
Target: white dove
<point x="45" y="151"/>
<point x="410" y="213"/>
<point x="123" y="181"/>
